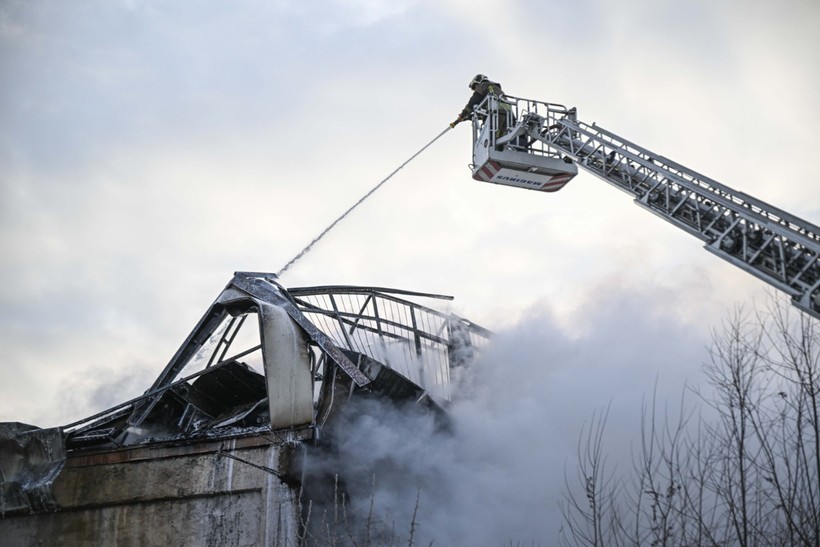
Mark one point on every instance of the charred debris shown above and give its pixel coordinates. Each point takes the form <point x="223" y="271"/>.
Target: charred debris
<point x="262" y="360"/>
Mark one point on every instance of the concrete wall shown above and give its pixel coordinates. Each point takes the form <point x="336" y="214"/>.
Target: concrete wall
<point x="169" y="495"/>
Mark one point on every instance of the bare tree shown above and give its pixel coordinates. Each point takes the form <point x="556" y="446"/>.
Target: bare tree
<point x="737" y="376"/>
<point x="741" y="468"/>
<point x="339" y="524"/>
<point x="787" y="427"/>
<point x="584" y="513"/>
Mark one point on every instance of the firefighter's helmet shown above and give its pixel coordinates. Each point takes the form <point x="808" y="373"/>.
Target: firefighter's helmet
<point x="477" y="80"/>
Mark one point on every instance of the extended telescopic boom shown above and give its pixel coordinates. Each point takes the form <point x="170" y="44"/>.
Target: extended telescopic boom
<point x="546" y="141"/>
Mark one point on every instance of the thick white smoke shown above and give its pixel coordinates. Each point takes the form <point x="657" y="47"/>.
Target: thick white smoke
<point x="496" y="475"/>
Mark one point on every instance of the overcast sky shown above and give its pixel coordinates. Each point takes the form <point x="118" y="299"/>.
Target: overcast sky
<point x="150" y="149"/>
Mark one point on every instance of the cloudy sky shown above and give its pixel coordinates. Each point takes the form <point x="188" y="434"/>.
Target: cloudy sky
<point x="148" y="150"/>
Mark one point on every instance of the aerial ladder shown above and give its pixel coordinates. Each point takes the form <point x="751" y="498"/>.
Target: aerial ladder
<point x="539" y="145"/>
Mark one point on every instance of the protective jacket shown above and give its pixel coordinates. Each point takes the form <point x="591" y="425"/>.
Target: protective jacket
<point x="481" y="91"/>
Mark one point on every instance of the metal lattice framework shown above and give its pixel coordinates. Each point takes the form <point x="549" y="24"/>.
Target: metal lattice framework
<point x="769" y="243"/>
<point x="418" y="342"/>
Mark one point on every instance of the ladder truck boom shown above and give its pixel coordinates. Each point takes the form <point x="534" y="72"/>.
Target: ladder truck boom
<point x="538" y="145"/>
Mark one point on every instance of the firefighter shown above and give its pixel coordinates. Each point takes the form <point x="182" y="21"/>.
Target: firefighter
<point x="483" y="86"/>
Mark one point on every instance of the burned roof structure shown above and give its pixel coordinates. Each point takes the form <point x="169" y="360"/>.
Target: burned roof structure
<point x="262" y="361"/>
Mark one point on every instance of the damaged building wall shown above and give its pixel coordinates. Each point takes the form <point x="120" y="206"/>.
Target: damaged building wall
<point x="192" y="494"/>
<point x="207" y="455"/>
<point x="30" y="459"/>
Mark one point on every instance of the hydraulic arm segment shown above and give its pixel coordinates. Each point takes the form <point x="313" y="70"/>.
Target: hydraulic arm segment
<point x="513" y="137"/>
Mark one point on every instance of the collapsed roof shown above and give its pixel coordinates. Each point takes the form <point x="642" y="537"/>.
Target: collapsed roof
<point x="265" y="358"/>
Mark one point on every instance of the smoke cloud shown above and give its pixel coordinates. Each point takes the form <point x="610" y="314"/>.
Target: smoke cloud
<point x="495" y="474"/>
